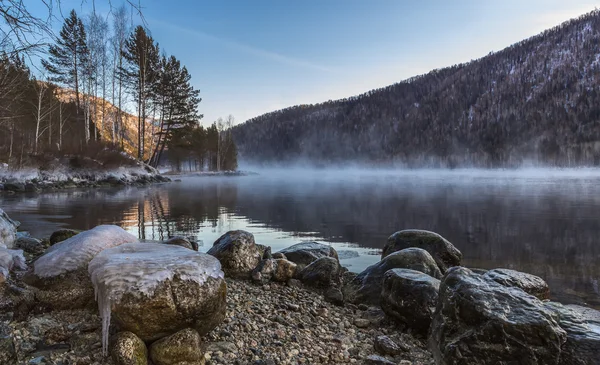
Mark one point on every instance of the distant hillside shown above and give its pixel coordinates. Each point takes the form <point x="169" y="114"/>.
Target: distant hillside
<point x="104" y="123"/>
<point x="537" y="100"/>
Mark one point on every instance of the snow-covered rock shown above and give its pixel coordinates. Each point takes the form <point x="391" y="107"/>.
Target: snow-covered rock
<point x="155" y="290"/>
<point x="61" y="273"/>
<point x="76" y="252"/>
<point x="8" y="229"/>
<point x="10" y="259"/>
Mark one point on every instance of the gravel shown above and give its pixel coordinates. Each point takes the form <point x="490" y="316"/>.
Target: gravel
<point x="265" y="324"/>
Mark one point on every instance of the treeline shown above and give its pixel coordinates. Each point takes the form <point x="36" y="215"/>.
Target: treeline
<point x="196" y="148"/>
<point x="535" y="101"/>
<point x="90" y="76"/>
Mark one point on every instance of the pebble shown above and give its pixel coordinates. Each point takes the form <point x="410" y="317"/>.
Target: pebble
<point x="285" y="324"/>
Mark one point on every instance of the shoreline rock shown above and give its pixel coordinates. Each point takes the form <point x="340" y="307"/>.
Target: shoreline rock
<point x="173" y="305"/>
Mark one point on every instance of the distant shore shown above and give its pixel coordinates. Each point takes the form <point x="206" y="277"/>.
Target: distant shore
<point x="36" y="180"/>
<point x="209" y="173"/>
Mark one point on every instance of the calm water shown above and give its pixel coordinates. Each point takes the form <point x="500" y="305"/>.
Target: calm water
<point x="545" y="222"/>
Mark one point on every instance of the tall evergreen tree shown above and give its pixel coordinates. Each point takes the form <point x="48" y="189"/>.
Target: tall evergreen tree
<point x="69" y="55"/>
<point x="179" y="102"/>
<point x="141" y="56"/>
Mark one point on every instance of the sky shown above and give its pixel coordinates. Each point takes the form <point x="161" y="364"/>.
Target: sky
<point x="248" y="58"/>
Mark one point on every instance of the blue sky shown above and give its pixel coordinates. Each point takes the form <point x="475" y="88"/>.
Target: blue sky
<point x="252" y="57"/>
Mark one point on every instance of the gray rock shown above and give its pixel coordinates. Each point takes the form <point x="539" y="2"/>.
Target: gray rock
<point x="72" y="290"/>
<point x="530" y="284"/>
<point x="583" y="333"/>
<point x="442" y="251"/>
<point x="304" y="253"/>
<point x="279" y="270"/>
<point x="30" y="245"/>
<point x="182" y="347"/>
<point x="278" y="255"/>
<point x="334" y="296"/>
<point x="478" y="321"/>
<point x="294" y="283"/>
<point x="32" y="188"/>
<point x="265" y="251"/>
<point x="15" y="302"/>
<point x="8" y="229"/>
<point x="174" y="305"/>
<point x="321" y="273"/>
<point x="8" y="353"/>
<point x="362" y="322"/>
<point x="410" y="297"/>
<point x="284" y="270"/>
<point x="385" y="346"/>
<point x="366" y="286"/>
<point x="183" y="242"/>
<point x="263" y="272"/>
<point x="238" y="253"/>
<point x="16" y="187"/>
<point x="129" y="349"/>
<point x="377" y="360"/>
<point x="62" y="234"/>
<point x="223" y="346"/>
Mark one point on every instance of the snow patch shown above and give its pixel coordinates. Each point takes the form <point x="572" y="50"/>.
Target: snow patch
<point x="8" y="229"/>
<point x="138" y="269"/>
<point x="10" y="259"/>
<point x="77" y="251"/>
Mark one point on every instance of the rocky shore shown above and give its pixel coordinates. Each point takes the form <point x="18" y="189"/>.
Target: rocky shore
<point x="101" y="297"/>
<point x="38" y="180"/>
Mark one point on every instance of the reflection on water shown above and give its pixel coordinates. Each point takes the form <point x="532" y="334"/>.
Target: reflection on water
<point x="544" y="225"/>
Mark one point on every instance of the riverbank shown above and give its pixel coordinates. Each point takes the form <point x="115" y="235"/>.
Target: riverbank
<point x="34" y="180"/>
<point x="265" y="324"/>
<point x="242" y="304"/>
<point x="209" y="173"/>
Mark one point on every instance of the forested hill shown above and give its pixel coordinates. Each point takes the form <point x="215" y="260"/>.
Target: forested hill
<point x="537" y="100"/>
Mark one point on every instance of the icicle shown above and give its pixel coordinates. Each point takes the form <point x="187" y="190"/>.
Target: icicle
<point x="139" y="268"/>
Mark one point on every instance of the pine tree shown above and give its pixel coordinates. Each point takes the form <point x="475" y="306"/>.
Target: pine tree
<point x="141" y="56"/>
<point x="67" y="57"/>
<point x="179" y="102"/>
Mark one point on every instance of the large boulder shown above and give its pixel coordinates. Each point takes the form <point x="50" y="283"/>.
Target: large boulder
<point x="443" y="252"/>
<point x="324" y="272"/>
<point x="238" y="253"/>
<point x="478" y="321"/>
<point x="155" y="290"/>
<point x="410" y="297"/>
<point x="8" y="229"/>
<point x="304" y="253"/>
<point x="530" y="284"/>
<point x="183" y="347"/>
<point x="61" y="273"/>
<point x="583" y="333"/>
<point x="366" y="286"/>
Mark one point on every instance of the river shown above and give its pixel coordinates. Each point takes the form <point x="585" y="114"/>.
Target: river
<point x="545" y="222"/>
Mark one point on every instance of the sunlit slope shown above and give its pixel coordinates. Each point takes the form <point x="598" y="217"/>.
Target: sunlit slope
<point x="105" y="113"/>
<point x="535" y="101"/>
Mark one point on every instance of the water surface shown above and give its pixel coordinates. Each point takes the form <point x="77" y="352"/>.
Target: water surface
<point x="540" y="221"/>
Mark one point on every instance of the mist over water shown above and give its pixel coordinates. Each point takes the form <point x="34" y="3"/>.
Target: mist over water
<point x="542" y="221"/>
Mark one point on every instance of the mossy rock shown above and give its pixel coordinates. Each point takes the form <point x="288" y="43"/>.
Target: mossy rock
<point x="62" y="234"/>
<point x="129" y="349"/>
